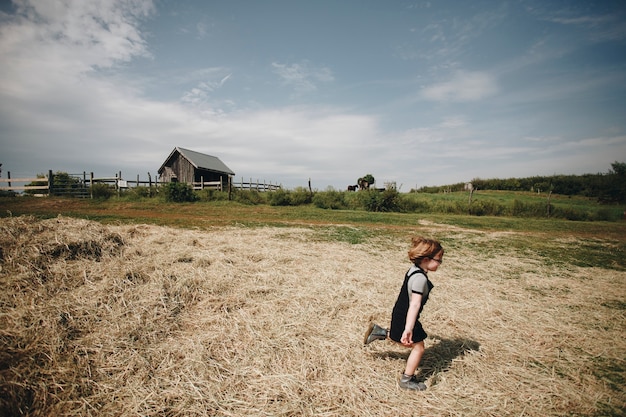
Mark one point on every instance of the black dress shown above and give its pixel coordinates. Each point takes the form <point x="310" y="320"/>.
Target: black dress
<point x="415" y="281"/>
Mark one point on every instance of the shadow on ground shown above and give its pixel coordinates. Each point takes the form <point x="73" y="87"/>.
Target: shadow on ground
<point x="437" y="358"/>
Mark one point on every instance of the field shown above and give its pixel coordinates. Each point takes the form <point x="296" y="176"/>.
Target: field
<point x="146" y="309"/>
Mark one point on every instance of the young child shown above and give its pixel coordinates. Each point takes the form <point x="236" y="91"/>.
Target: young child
<point x="426" y="255"/>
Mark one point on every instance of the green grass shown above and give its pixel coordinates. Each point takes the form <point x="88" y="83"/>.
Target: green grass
<point x="556" y="242"/>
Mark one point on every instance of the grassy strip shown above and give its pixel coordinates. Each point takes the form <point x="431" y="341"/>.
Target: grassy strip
<point x="596" y="243"/>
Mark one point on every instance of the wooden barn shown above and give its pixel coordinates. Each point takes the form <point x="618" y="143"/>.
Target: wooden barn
<point x="184" y="165"/>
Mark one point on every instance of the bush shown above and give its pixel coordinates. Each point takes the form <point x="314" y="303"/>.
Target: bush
<point x="212" y="195"/>
<point x="486" y="208"/>
<point x="102" y="191"/>
<point x="7" y="193"/>
<point x="139" y="193"/>
<point x="449" y="207"/>
<point x="329" y="199"/>
<point x="570" y="213"/>
<point x="521" y="209"/>
<point x="607" y="215"/>
<point x="178" y="192"/>
<point x="280" y="198"/>
<point x="301" y="196"/>
<point x="408" y="204"/>
<point x="384" y="201"/>
<point x="249" y="197"/>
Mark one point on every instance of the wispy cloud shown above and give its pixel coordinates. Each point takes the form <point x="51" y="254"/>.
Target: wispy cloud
<point x="303" y="77"/>
<point x="595" y="27"/>
<point x="464" y="86"/>
<point x="210" y="80"/>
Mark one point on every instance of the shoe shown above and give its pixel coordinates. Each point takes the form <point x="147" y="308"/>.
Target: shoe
<point x="411" y="383"/>
<point x="374" y="332"/>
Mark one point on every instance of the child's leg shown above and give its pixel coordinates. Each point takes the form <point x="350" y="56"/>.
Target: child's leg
<point x="415" y="357"/>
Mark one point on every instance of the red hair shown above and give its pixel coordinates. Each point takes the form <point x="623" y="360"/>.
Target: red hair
<point x="422" y="247"/>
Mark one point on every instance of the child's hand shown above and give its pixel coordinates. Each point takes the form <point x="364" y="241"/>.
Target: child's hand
<point x="407" y="337"/>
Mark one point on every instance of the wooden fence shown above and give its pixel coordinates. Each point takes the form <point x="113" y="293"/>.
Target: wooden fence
<point x="25" y="184"/>
<point x="258" y="186"/>
<point x="81" y="184"/>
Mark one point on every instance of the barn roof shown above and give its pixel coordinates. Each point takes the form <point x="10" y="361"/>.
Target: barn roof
<point x="199" y="161"/>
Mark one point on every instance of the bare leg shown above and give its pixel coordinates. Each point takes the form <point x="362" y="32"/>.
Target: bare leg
<point x="415" y="357"/>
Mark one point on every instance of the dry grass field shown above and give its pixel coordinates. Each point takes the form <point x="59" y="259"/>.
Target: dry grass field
<point x="144" y="320"/>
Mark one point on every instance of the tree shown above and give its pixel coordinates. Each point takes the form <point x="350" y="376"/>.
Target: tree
<point x="614" y="189"/>
<point x="619" y="168"/>
<point x="366" y="181"/>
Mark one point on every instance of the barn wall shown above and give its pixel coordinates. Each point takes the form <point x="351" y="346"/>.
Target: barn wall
<point x="167" y="175"/>
<point x="182" y="168"/>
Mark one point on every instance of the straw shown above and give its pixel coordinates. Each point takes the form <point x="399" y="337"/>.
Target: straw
<point x="139" y="320"/>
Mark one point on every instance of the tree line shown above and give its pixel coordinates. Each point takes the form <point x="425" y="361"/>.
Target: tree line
<point x="607" y="188"/>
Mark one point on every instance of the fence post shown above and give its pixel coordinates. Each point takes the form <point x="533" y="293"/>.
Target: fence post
<point x="50" y="183"/>
<point x="91" y="185"/>
<point x="9" y="178"/>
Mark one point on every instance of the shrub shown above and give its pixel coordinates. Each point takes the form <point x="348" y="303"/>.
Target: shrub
<point x="7" y="193"/>
<point x="212" y="195"/>
<point x="386" y="201"/>
<point x="521" y="209"/>
<point x="178" y="192"/>
<point x="449" y="207"/>
<point x="249" y="197"/>
<point x="139" y="193"/>
<point x="408" y="204"/>
<point x="486" y="208"/>
<point x="329" y="199"/>
<point x="280" y="198"/>
<point x="102" y="191"/>
<point x="517" y="208"/>
<point x="301" y="196"/>
<point x="606" y="214"/>
<point x="570" y="213"/>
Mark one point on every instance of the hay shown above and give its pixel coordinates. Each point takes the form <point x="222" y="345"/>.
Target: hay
<point x="152" y="321"/>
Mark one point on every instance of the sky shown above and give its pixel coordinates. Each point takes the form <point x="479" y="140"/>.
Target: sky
<point x="420" y="93"/>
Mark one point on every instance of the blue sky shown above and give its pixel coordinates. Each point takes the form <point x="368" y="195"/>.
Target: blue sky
<point x="416" y="92"/>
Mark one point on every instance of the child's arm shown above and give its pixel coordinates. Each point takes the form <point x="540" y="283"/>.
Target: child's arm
<point x="411" y="316"/>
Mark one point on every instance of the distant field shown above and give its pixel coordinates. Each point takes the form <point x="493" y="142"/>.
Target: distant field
<point x="223" y="309"/>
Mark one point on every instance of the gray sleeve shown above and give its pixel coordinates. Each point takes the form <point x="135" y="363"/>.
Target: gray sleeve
<point x="417" y="284"/>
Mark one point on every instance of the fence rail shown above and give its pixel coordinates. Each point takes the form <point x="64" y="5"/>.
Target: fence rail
<point x="258" y="186"/>
<point x="10" y="181"/>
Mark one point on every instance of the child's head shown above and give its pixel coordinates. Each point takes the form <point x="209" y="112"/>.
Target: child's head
<point x="422" y="248"/>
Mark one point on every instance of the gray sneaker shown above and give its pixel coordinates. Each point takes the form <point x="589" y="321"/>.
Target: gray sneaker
<point x="410" y="382"/>
<point x="374" y="332"/>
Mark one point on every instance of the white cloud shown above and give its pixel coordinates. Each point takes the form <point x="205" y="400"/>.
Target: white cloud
<point x="302" y="76"/>
<point x="65" y="90"/>
<point x="464" y="86"/>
